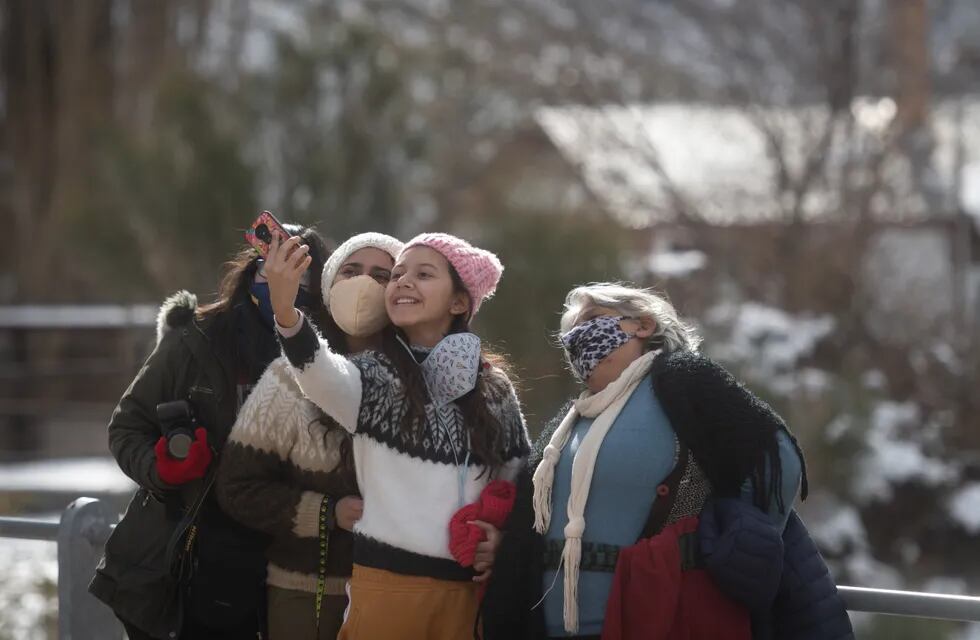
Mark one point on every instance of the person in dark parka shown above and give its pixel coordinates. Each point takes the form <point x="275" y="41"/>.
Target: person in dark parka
<point x="211" y="356"/>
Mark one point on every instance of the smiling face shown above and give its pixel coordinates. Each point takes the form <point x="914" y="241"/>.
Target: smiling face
<point x="369" y="261"/>
<point x="422" y="298"/>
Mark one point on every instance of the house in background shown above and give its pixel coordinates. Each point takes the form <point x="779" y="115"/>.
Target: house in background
<point x="749" y="192"/>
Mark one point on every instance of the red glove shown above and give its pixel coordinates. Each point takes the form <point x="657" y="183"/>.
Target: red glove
<point x="463" y="536"/>
<point x="496" y="502"/>
<point x="194" y="466"/>
<point x="493" y="506"/>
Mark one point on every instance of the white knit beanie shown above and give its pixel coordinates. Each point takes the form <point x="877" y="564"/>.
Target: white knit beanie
<point x="391" y="246"/>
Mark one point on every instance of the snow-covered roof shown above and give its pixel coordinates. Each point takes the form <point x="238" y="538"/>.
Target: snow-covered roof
<point x="642" y="160"/>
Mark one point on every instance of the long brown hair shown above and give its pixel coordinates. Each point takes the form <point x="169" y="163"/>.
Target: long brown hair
<point x="239" y="272"/>
<point x="486" y="435"/>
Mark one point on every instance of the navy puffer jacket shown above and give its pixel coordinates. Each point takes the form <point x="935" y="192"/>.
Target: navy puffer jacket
<point x="791" y="594"/>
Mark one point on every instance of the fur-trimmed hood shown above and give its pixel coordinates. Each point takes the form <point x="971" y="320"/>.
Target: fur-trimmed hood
<point x="176" y="311"/>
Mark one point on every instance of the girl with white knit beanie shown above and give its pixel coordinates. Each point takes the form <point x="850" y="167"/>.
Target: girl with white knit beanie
<point x="286" y="463"/>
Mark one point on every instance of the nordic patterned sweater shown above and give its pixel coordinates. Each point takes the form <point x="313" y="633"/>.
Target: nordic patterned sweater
<point x="410" y="485"/>
<point x="280" y="461"/>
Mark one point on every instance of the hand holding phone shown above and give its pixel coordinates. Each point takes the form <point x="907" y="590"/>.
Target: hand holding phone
<point x="285" y="265"/>
<point x="260" y="234"/>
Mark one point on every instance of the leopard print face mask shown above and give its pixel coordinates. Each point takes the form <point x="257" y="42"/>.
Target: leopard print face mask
<point x="591" y="342"/>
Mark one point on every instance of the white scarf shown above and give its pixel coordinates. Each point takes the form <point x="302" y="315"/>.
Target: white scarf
<point x="604" y="407"/>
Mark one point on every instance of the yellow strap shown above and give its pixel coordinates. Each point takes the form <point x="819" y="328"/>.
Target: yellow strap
<point x="322" y="571"/>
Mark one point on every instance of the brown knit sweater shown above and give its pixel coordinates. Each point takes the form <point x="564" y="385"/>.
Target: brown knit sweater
<point x="280" y="460"/>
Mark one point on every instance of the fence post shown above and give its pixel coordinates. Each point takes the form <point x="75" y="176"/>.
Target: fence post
<point x="85" y="526"/>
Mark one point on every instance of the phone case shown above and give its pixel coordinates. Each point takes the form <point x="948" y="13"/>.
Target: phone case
<point x="259" y="235"/>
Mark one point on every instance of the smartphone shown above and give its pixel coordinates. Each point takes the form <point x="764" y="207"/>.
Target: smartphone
<point x="259" y="235"/>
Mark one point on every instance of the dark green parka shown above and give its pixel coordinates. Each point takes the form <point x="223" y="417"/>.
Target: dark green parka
<point x="194" y="359"/>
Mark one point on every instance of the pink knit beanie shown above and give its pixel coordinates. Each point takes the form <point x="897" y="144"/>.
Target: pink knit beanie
<point x="478" y="269"/>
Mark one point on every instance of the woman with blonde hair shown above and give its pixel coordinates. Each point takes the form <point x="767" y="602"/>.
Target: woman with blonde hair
<point x="604" y="537"/>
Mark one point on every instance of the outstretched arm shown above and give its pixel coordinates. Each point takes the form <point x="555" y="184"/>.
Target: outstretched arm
<point x="327" y="378"/>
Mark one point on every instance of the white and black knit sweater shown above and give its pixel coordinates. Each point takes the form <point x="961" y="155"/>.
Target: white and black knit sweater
<point x="280" y="461"/>
<point x="410" y="486"/>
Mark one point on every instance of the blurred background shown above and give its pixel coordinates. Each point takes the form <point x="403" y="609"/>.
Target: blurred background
<point x="802" y="178"/>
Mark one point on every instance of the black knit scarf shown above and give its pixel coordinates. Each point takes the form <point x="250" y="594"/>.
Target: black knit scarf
<point x="730" y="431"/>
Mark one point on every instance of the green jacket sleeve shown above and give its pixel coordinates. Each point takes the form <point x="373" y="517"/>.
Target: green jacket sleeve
<point x="133" y="428"/>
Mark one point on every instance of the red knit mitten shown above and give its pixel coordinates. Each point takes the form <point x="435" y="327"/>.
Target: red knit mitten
<point x="194" y="466"/>
<point x="463" y="537"/>
<point x="496" y="502"/>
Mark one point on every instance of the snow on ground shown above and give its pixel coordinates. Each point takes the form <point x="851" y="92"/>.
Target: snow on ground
<point x="836" y="527"/>
<point x="767" y="340"/>
<point x="676" y="264"/>
<point x="28" y="589"/>
<point x="29" y="568"/>
<point x="874" y="380"/>
<point x="805" y="382"/>
<point x="839" y="427"/>
<point x="85" y="475"/>
<point x="893" y="456"/>
<point x="944" y="584"/>
<point x="907" y="273"/>
<point x="865" y="570"/>
<point x="970" y="191"/>
<point x="964" y="507"/>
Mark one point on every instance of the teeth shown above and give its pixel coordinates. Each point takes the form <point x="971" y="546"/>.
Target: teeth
<point x="405" y="301"/>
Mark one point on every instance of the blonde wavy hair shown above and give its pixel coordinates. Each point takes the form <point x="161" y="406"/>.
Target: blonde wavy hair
<point x="671" y="333"/>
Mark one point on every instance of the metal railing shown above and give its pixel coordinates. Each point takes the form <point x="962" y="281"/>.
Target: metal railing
<point x="86" y="523"/>
<point x="914" y="604"/>
<point x="81" y="316"/>
<point x="80" y="535"/>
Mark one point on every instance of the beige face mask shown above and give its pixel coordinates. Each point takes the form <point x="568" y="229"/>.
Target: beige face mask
<point x="358" y="306"/>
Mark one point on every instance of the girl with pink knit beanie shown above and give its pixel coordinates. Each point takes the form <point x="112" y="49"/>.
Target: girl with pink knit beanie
<point x="437" y="431"/>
